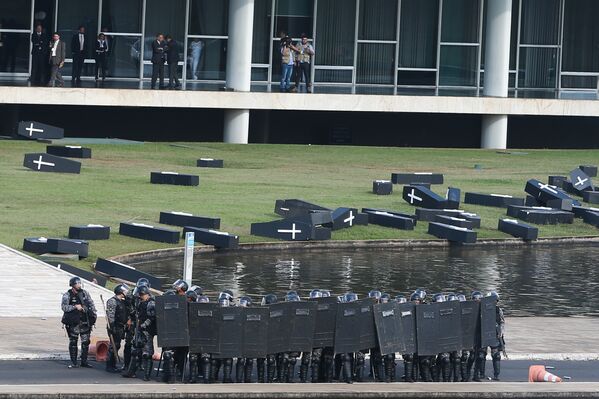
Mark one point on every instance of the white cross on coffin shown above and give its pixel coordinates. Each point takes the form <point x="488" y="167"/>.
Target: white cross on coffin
<point x="383" y="213"/>
<point x="423" y="173"/>
<point x="222" y="233"/>
<point x="95" y="225"/>
<point x="293" y="231"/>
<point x="31" y="129"/>
<point x="547" y="187"/>
<point x="510" y="221"/>
<point x="206" y="159"/>
<point x="413" y="197"/>
<point x="350" y="219"/>
<point x="181" y="213"/>
<point x="142" y="225"/>
<point x="73" y="147"/>
<point x="501" y="195"/>
<point x="169" y="173"/>
<point x="580" y="181"/>
<point x="39" y="163"/>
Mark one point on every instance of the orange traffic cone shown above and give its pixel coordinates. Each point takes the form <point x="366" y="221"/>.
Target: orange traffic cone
<point x="99" y="348"/>
<point x="539" y="374"/>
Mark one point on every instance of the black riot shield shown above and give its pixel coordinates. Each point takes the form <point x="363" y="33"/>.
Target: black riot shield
<point x="255" y="332"/>
<point x="326" y="314"/>
<point x="171" y="321"/>
<point x="230" y="327"/>
<point x="303" y="318"/>
<point x="388" y="329"/>
<point x="470" y="322"/>
<point x="367" y="327"/>
<point x="450" y="328"/>
<point x="279" y="327"/>
<point x="203" y="328"/>
<point x="427" y="329"/>
<point x="407" y="325"/>
<point x="347" y="331"/>
<point x="488" y="331"/>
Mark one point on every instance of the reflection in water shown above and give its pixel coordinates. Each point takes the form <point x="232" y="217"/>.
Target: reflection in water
<point x="541" y="280"/>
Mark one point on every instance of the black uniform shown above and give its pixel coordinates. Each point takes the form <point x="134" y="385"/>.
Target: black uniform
<point x="143" y="341"/>
<point x="117" y="316"/>
<point x="79" y="53"/>
<point x="39" y="58"/>
<point x="173" y="63"/>
<point x="78" y="323"/>
<point x="158" y="50"/>
<point x="101" y="57"/>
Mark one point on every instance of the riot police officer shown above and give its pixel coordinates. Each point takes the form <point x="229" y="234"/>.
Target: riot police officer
<point x="117" y="315"/>
<point x="79" y="318"/>
<point x="200" y="361"/>
<point x="455" y="356"/>
<point x="376" y="359"/>
<point x="313" y="358"/>
<point x="499" y="328"/>
<point x="269" y="363"/>
<point x="388" y="359"/>
<point x="225" y="299"/>
<point x="174" y="358"/>
<point x="131" y="301"/>
<point x="244" y="366"/>
<point x="288" y="360"/>
<point x="145" y="330"/>
<point x="442" y="366"/>
<point x="478" y="355"/>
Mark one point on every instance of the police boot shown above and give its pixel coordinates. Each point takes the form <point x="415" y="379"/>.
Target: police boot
<point x="303" y="373"/>
<point x="408" y="371"/>
<point x="282" y="367"/>
<point x="290" y="372"/>
<point x="328" y="368"/>
<point x="483" y="365"/>
<point x="206" y="369"/>
<point x="247" y="370"/>
<point x="347" y="371"/>
<point x="111" y="362"/>
<point x="315" y="369"/>
<point x="496" y="368"/>
<point x="446" y="371"/>
<point x="227" y="369"/>
<point x="130" y="371"/>
<point x="148" y="367"/>
<point x="84" y="352"/>
<point x="193" y="368"/>
<point x="271" y="371"/>
<point x="455" y="370"/>
<point x="126" y="356"/>
<point x="239" y="370"/>
<point x="338" y="364"/>
<point x="73" y="354"/>
<point x="214" y="369"/>
<point x="260" y="370"/>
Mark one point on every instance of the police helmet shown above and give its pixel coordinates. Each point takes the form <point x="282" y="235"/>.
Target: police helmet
<point x="225" y="295"/>
<point x="401" y="299"/>
<point x="415" y="297"/>
<point x="180" y="285"/>
<point x="224" y="302"/>
<point x="351" y="297"/>
<point x="121" y="289"/>
<point x="341" y="298"/>
<point x="438" y="298"/>
<point x="203" y="299"/>
<point x="476" y="295"/>
<point x="325" y="293"/>
<point x="197" y="289"/>
<point x="452" y="297"/>
<point x="315" y="294"/>
<point x="385" y="298"/>
<point x="143" y="281"/>
<point x="421" y="293"/>
<point x="245" y="301"/>
<point x="269" y="299"/>
<point x="292" y="296"/>
<point x="376" y="294"/>
<point x="192" y="296"/>
<point x="74" y="281"/>
<point x="143" y="290"/>
<point x="462" y="298"/>
<point x="493" y="294"/>
<point x="229" y="292"/>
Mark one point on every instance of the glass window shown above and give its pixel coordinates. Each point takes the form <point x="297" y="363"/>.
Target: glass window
<point x="123" y="56"/>
<point x="416" y="78"/>
<point x="335" y="32"/>
<point x="418" y="33"/>
<point x="377" y="20"/>
<point x="294" y="17"/>
<point x="460" y="21"/>
<point x="259" y="74"/>
<point x="581" y="36"/>
<point x="209" y="17"/>
<point x="540" y="22"/>
<point x="376" y="63"/>
<point x="260" y="47"/>
<point x="166" y="19"/>
<point x="44" y="14"/>
<point x="332" y="76"/>
<point x="537" y="67"/>
<point x="72" y="14"/>
<point x="14" y="52"/>
<point x="579" y="82"/>
<point x="15" y="14"/>
<point x="121" y="16"/>
<point x="458" y="66"/>
<point x="207" y="59"/>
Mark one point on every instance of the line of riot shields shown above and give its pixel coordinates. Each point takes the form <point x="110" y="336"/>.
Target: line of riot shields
<point x="256" y="332"/>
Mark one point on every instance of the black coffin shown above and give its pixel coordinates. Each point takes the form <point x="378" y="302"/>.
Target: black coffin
<point x="41" y="162"/>
<point x="428" y="215"/>
<point x="518" y="229"/>
<point x="219" y="239"/>
<point x="531" y="201"/>
<point x="454" y="221"/>
<point x="89" y="232"/>
<point x="413" y="178"/>
<point x="513" y="210"/>
<point x="183" y="219"/>
<point x="580" y="211"/>
<point x="580" y="180"/>
<point x="313" y="218"/>
<point x="591" y="218"/>
<point x="296" y="207"/>
<point x="545" y="192"/>
<point x="68" y="246"/>
<point x="174" y="179"/>
<point x="35" y="130"/>
<point x="497" y="200"/>
<point x="382" y="187"/>
<point x="541" y="216"/>
<point x="453" y="197"/>
<point x="150" y="233"/>
<point x="423" y="197"/>
<point x="386" y="219"/>
<point x="592" y="197"/>
<point x="452" y="233"/>
<point x="69" y="151"/>
<point x="125" y="272"/>
<point x="36" y="245"/>
<point x="590" y="170"/>
<point x="557" y="180"/>
<point x="346" y="217"/>
<point x="84" y="274"/>
<point x="472" y="218"/>
<point x="290" y="230"/>
<point x="561" y="204"/>
<point x="210" y="163"/>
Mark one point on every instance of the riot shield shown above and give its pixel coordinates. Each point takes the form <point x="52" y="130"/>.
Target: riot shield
<point x="326" y="313"/>
<point x="388" y="328"/>
<point x="470" y="321"/>
<point x="407" y="324"/>
<point x="427" y="329"/>
<point x="255" y="332"/>
<point x="203" y="328"/>
<point x="488" y="331"/>
<point x="230" y="328"/>
<point x="279" y="327"/>
<point x="450" y="328"/>
<point x="171" y="321"/>
<point x="367" y="327"/>
<point x="303" y="323"/>
<point x="347" y="331"/>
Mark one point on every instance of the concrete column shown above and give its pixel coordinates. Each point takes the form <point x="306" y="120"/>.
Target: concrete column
<point x="497" y="65"/>
<point x="239" y="67"/>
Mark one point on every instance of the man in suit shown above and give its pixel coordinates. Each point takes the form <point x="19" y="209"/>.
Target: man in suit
<point x="158" y="56"/>
<point x="57" y="57"/>
<point x="39" y="56"/>
<point x="79" y="47"/>
<point x="101" y="54"/>
<point x="172" y="56"/>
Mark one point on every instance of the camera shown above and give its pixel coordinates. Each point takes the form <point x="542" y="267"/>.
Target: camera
<point x="286" y="41"/>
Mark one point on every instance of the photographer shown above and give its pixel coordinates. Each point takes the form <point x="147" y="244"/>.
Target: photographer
<point x="287" y="61"/>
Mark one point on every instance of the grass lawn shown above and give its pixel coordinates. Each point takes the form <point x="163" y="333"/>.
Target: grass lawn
<point x="115" y="186"/>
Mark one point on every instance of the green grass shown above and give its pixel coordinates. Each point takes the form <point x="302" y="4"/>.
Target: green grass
<point x="114" y="187"/>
